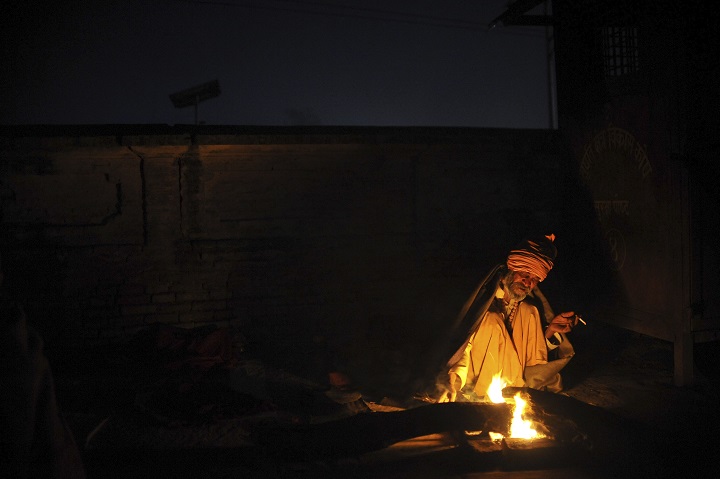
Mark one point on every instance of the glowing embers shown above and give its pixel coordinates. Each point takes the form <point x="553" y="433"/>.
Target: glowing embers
<point x="520" y="427"/>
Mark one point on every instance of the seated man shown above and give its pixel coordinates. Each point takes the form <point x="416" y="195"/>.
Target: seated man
<point x="508" y="338"/>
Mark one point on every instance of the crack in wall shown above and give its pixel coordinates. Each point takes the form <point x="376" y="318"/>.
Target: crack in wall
<point x="143" y="193"/>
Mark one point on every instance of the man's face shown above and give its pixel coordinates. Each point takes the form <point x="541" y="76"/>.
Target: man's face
<point x="519" y="284"/>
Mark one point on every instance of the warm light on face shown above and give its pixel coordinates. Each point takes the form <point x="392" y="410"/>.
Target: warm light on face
<point x="527" y="279"/>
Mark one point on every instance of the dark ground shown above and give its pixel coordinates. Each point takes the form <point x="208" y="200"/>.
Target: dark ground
<point x="618" y="389"/>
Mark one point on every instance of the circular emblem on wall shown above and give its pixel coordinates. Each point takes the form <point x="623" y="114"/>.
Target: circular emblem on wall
<point x="616" y="248"/>
<point x="616" y="170"/>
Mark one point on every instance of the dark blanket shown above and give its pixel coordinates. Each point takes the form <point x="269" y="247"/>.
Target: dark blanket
<point x="189" y="372"/>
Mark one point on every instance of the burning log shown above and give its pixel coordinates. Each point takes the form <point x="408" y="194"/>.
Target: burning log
<point x="369" y="432"/>
<point x="570" y="421"/>
<point x="595" y="435"/>
<point x="571" y="433"/>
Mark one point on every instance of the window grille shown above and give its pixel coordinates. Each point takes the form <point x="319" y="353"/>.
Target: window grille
<point x="620" y="51"/>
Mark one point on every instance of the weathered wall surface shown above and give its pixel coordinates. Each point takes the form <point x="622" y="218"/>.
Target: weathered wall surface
<point x="366" y="239"/>
<point x="637" y="101"/>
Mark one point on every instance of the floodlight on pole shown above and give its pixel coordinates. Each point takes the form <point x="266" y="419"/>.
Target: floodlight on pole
<point x="194" y="95"/>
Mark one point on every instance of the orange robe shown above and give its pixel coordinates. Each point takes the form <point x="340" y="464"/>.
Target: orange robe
<point x="493" y="350"/>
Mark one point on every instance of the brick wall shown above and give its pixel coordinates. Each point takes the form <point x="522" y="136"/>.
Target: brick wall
<point x="368" y="239"/>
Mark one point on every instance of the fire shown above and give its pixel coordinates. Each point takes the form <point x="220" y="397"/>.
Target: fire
<point x="520" y="427"/>
<point x="495" y="436"/>
<point x="494" y="391"/>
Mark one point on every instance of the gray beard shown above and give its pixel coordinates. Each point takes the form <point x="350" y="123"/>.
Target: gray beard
<point x="514" y="291"/>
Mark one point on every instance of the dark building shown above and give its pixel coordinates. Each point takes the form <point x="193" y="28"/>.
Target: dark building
<point x="638" y="105"/>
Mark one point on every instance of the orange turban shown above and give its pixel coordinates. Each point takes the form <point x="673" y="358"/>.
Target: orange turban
<point x="534" y="256"/>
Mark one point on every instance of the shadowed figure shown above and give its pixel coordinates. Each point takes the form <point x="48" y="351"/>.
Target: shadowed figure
<point x="36" y="441"/>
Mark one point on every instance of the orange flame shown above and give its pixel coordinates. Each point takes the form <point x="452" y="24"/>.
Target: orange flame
<point x="520" y="427"/>
<point x="494" y="391"/>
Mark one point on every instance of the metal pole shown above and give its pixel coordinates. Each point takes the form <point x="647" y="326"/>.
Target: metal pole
<point x="550" y="41"/>
<point x="197" y="100"/>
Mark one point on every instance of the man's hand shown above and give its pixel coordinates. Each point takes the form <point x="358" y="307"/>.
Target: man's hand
<point x="451" y="393"/>
<point x="562" y="323"/>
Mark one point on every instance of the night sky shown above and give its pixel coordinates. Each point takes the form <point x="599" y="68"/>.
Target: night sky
<point x="293" y="62"/>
